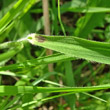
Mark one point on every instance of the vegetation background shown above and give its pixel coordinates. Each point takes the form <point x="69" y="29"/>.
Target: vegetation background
<point x="80" y="78"/>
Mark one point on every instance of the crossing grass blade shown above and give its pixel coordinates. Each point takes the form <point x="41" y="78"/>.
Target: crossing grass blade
<point x="12" y="13"/>
<point x="74" y="47"/>
<point x="38" y="61"/>
<point x="11" y="52"/>
<point x="69" y="77"/>
<point x="87" y="10"/>
<point x="38" y="80"/>
<point x="18" y="10"/>
<point x="90" y="21"/>
<point x="13" y="90"/>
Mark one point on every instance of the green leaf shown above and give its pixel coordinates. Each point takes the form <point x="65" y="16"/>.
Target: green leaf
<point x="13" y="90"/>
<point x="74" y="47"/>
<point x="11" y="52"/>
<point x="38" y="61"/>
<point x="69" y="76"/>
<point x="72" y="4"/>
<point x="18" y="10"/>
<point x="91" y="20"/>
<point x="88" y="10"/>
<point x="38" y="80"/>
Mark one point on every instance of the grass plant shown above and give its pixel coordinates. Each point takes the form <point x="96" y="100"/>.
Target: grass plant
<point x="81" y="55"/>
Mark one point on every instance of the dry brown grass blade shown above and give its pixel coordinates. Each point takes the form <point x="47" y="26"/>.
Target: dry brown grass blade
<point x="47" y="28"/>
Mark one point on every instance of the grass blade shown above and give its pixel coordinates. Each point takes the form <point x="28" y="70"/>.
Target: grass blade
<point x="18" y="10"/>
<point x="87" y="10"/>
<point x="38" y="61"/>
<point x="11" y="52"/>
<point x="13" y="90"/>
<point x="74" y="47"/>
<point x="71" y="83"/>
